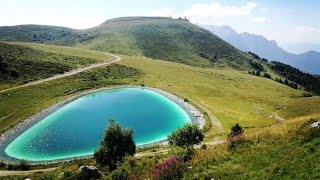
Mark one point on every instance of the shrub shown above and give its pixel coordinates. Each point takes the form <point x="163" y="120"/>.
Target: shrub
<point x="313" y="132"/>
<point x="235" y="131"/>
<point x="238" y="142"/>
<point x="119" y="174"/>
<point x="14" y="74"/>
<point x="266" y="75"/>
<point x="116" y="144"/>
<point x="258" y="73"/>
<point x="12" y="167"/>
<point x="171" y="168"/>
<point x="2" y="164"/>
<point x="24" y="165"/>
<point x="306" y="94"/>
<point x="94" y="77"/>
<point x="308" y="133"/>
<point x="203" y="146"/>
<point x="186" y="136"/>
<point x="185" y="154"/>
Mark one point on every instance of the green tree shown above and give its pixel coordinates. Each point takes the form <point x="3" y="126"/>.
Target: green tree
<point x="186" y="136"/>
<point x="266" y="75"/>
<point x="3" y="65"/>
<point x="24" y="165"/>
<point x="117" y="143"/>
<point x="236" y="128"/>
<point x="258" y="73"/>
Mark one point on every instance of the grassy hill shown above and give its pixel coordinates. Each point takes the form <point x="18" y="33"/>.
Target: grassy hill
<point x="160" y="38"/>
<point x="289" y="150"/>
<point x="39" y="34"/>
<point x="271" y="149"/>
<point x="21" y="63"/>
<point x="233" y="96"/>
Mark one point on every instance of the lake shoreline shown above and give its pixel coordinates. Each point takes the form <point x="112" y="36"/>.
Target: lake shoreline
<point x="7" y="137"/>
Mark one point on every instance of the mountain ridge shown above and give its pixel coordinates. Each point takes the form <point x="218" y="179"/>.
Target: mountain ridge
<point x="170" y="39"/>
<point x="308" y="62"/>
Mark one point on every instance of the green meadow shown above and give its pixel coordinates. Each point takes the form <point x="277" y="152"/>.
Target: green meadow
<point x="271" y="149"/>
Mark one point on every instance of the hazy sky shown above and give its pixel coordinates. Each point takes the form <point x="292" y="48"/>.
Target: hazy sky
<point x="292" y="23"/>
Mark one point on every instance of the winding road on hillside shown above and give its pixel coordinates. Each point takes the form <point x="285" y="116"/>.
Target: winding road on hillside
<point x="115" y="59"/>
<point x="25" y="173"/>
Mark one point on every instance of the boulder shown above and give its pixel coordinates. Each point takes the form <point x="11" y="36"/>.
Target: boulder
<point x="315" y="125"/>
<point x="88" y="172"/>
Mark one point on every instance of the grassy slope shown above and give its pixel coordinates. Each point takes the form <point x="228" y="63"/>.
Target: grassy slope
<point x="232" y="96"/>
<point x="39" y="34"/>
<point x="163" y="38"/>
<point x="35" y="61"/>
<point x="278" y="152"/>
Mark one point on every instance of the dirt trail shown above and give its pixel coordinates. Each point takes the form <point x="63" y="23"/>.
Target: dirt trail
<point x="69" y="73"/>
<point x="209" y="143"/>
<point x="24" y="173"/>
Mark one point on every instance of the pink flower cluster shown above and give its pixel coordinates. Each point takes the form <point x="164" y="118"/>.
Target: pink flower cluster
<point x="234" y="134"/>
<point x="166" y="166"/>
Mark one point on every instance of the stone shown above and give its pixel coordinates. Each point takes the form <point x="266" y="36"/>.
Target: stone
<point x="315" y="125"/>
<point x="89" y="172"/>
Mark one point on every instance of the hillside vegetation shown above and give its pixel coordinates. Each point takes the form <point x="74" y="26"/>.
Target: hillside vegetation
<point x="280" y="151"/>
<point x="181" y="58"/>
<point x="20" y="63"/>
<point x="231" y="95"/>
<point x="160" y="38"/>
<point x="289" y="150"/>
<point x="39" y="34"/>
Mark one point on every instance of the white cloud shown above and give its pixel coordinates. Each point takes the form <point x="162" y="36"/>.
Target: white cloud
<point x="261" y="20"/>
<point x="303" y="34"/>
<point x="166" y="12"/>
<point x="304" y="29"/>
<point x="264" y="10"/>
<point x="201" y="12"/>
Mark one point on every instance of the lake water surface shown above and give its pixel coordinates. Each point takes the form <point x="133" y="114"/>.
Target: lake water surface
<point x="76" y="129"/>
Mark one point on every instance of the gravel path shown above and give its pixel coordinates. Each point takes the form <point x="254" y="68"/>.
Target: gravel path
<point x="115" y="59"/>
<point x="24" y="173"/>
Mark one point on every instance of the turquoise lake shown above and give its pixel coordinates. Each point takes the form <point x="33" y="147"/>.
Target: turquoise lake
<point x="76" y="129"/>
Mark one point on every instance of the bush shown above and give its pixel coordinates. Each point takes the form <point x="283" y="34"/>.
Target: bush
<point x="12" y="167"/>
<point x="235" y="131"/>
<point x="14" y="74"/>
<point x="308" y="133"/>
<point x="186" y="136"/>
<point x="116" y="144"/>
<point x="172" y="168"/>
<point x="119" y="174"/>
<point x="24" y="165"/>
<point x="238" y="142"/>
<point x="313" y="132"/>
<point x="266" y="75"/>
<point x="203" y="146"/>
<point x="185" y="154"/>
<point x="2" y="164"/>
<point x="256" y="66"/>
<point x="306" y="94"/>
<point x="258" y="73"/>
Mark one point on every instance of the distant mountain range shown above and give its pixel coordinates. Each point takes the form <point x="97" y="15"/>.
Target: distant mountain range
<point x="308" y="62"/>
